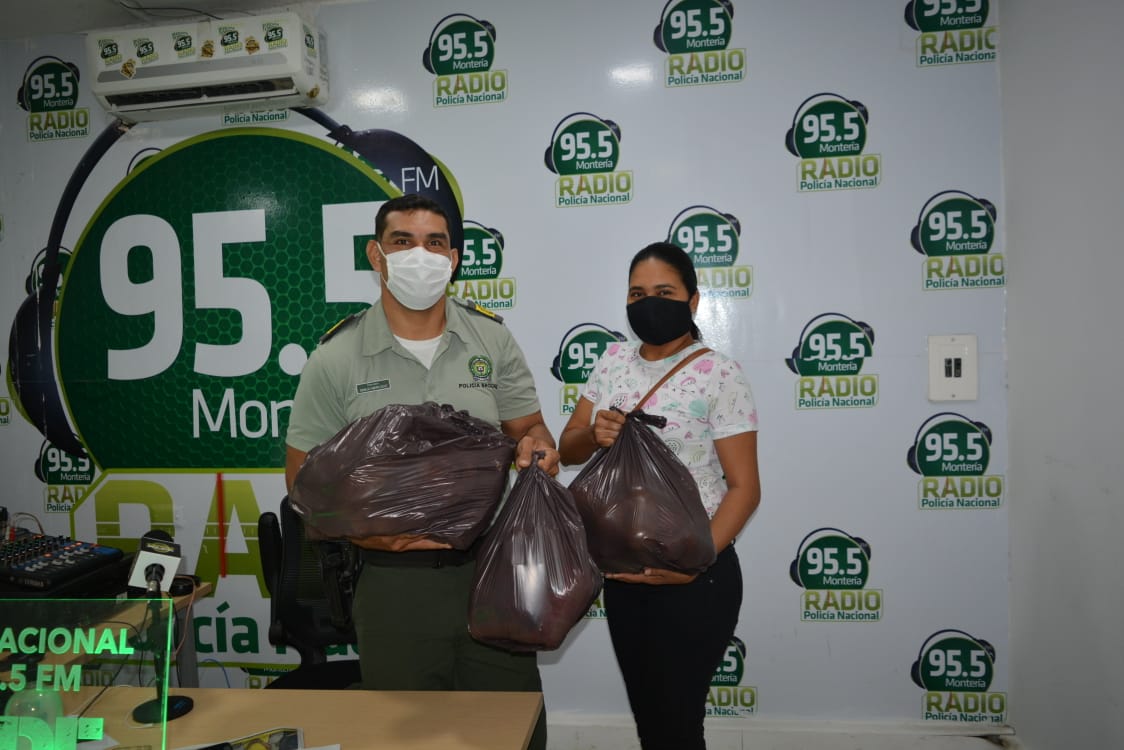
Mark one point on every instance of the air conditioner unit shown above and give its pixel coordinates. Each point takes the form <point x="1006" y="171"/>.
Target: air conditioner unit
<point x="251" y="63"/>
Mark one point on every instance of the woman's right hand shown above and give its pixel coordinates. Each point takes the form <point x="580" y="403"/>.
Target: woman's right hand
<point x="606" y="427"/>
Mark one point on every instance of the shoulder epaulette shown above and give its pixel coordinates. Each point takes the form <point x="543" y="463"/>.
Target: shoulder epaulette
<point x="475" y="307"/>
<point x="347" y="322"/>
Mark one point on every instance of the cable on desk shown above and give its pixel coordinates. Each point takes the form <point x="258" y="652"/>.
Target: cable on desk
<point x="188" y="614"/>
<point x="221" y="666"/>
<point x="113" y="679"/>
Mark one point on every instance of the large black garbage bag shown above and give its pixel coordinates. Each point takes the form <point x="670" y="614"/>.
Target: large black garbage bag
<point x="640" y="505"/>
<point x="534" y="576"/>
<point x="423" y="469"/>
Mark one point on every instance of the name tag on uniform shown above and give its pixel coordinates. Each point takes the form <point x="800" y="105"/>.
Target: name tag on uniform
<point x="374" y="385"/>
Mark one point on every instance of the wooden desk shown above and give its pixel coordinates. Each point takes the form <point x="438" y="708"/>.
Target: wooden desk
<point x="355" y="719"/>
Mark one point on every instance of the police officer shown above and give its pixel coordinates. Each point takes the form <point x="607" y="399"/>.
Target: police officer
<point x="417" y="345"/>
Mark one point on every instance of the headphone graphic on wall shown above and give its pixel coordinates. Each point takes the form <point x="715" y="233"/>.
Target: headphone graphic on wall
<point x="21" y="94"/>
<point x="915" y="233"/>
<point x="790" y="136"/>
<point x="548" y="158"/>
<point x="490" y="230"/>
<point x="915" y="669"/>
<point x="427" y="55"/>
<point x="911" y="454"/>
<point x="794" y="567"/>
<point x="791" y="361"/>
<point x="556" y="365"/>
<point x="657" y="35"/>
<point x="31" y="365"/>
<point x="737" y="225"/>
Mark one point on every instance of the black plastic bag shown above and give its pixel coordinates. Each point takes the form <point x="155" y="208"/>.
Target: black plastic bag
<point x="424" y="469"/>
<point x="534" y="577"/>
<point x="640" y="505"/>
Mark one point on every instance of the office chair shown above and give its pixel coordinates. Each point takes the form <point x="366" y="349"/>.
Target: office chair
<point x="310" y="585"/>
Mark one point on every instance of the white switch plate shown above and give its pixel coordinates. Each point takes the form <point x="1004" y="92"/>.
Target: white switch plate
<point x="954" y="368"/>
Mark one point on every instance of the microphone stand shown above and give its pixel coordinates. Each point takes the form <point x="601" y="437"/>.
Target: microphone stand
<point x="153" y="711"/>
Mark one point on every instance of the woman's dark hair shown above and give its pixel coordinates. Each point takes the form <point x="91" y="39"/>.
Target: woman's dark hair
<point x="677" y="258"/>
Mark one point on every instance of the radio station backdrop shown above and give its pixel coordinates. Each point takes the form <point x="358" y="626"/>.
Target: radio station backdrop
<point x="832" y="168"/>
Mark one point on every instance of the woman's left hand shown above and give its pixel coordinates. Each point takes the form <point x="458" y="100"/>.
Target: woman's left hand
<point x="654" y="577"/>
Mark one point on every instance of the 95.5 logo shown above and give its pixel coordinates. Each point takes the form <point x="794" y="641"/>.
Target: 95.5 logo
<point x="833" y="567"/>
<point x="584" y="151"/>
<point x="460" y="53"/>
<point x="956" y="670"/>
<point x="478" y="275"/>
<point x="829" y="358"/>
<point x="951" y="32"/>
<point x="712" y="239"/>
<point x="579" y="351"/>
<point x="952" y="454"/>
<point x="695" y="34"/>
<point x="727" y="695"/>
<point x="829" y="135"/>
<point x="955" y="231"/>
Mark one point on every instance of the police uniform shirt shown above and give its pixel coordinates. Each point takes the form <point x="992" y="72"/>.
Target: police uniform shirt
<point x="360" y="368"/>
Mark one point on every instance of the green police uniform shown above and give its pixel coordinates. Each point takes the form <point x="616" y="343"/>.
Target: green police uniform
<point x="411" y="621"/>
<point x="360" y="367"/>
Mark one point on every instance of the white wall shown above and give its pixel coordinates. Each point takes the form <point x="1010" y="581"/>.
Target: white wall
<point x="1062" y="106"/>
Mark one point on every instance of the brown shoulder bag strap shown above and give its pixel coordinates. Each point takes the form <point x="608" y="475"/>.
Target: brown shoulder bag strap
<point x="668" y="374"/>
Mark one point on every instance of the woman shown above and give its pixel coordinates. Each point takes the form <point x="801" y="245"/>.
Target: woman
<point x="670" y="630"/>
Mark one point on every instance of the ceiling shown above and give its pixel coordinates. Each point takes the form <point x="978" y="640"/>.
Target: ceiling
<point x="31" y="18"/>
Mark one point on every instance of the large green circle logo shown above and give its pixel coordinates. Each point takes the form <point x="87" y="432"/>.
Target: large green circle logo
<point x="198" y="289"/>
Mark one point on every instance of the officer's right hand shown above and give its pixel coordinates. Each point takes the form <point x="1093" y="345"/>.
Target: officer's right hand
<point x="397" y="543"/>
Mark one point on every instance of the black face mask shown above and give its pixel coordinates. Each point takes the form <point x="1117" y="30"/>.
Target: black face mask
<point x="658" y="320"/>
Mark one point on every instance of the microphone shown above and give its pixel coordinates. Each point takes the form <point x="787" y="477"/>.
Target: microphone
<point x="152" y="575"/>
<point x="154" y="567"/>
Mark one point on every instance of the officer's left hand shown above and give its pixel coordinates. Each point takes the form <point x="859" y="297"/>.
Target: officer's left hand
<point x="654" y="577"/>
<point x="526" y="449"/>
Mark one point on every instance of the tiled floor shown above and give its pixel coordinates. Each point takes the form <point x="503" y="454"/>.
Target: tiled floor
<point x="786" y="737"/>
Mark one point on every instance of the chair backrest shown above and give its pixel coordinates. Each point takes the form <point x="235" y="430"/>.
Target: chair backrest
<point x="310" y="585"/>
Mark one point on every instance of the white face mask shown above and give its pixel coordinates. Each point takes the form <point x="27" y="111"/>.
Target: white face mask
<point x="416" y="277"/>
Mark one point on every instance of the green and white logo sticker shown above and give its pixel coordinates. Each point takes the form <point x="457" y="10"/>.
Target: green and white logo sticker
<point x="829" y="134"/>
<point x="695" y="34"/>
<point x="579" y="351"/>
<point x="955" y="231"/>
<point x="952" y="454"/>
<point x="48" y="92"/>
<point x="183" y="44"/>
<point x="191" y="302"/>
<point x="584" y="151"/>
<point x="66" y="479"/>
<point x="713" y="239"/>
<point x="461" y="52"/>
<point x="956" y="671"/>
<point x="829" y="359"/>
<point x="833" y="568"/>
<point x="230" y="39"/>
<point x="478" y="275"/>
<point x="56" y="466"/>
<point x="727" y="695"/>
<point x="951" y="32"/>
<point x="145" y="50"/>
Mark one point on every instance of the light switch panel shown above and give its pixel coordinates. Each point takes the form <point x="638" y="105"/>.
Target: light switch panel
<point x="954" y="368"/>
